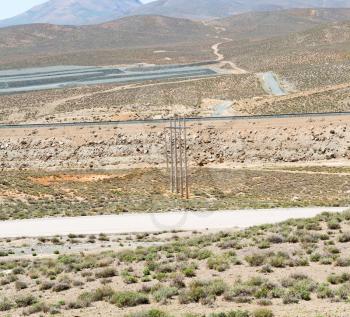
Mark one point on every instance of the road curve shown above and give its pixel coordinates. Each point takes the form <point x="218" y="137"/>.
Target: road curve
<point x="221" y="58"/>
<point x="162" y="121"/>
<point x="155" y="222"/>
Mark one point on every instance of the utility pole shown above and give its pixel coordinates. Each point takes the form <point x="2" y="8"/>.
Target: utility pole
<point x="172" y="172"/>
<point x="181" y="130"/>
<point x="177" y="157"/>
<point x="186" y="164"/>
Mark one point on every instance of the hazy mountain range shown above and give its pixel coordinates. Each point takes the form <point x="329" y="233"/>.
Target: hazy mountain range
<point x="151" y="38"/>
<point x="74" y="12"/>
<point x="200" y="9"/>
<point x="83" y="12"/>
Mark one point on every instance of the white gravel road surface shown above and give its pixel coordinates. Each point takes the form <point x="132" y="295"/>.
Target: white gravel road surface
<point x="154" y="222"/>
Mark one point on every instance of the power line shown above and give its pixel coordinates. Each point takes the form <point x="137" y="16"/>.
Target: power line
<point x="177" y="157"/>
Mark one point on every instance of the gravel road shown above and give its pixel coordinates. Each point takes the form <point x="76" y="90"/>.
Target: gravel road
<point x="154" y="222"/>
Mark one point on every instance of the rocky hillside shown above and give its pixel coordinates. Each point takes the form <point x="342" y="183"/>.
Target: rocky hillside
<point x="74" y="12"/>
<point x="203" y="9"/>
<point x="253" y="26"/>
<point x="47" y="44"/>
<point x="295" y="140"/>
<point x="321" y="45"/>
<point x="135" y="39"/>
<point x="126" y="32"/>
<point x="83" y="12"/>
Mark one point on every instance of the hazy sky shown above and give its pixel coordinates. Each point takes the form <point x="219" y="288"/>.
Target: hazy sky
<point x="9" y="8"/>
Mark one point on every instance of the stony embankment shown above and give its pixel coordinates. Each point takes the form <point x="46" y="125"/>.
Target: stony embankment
<point x="278" y="140"/>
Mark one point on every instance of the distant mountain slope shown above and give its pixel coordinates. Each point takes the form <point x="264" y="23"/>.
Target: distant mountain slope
<point x="112" y="42"/>
<point x="87" y="12"/>
<point x="74" y="12"/>
<point x="149" y="31"/>
<point x="159" y="39"/>
<point x="319" y="55"/>
<point x="203" y="9"/>
<point x="260" y="25"/>
<point x="140" y="31"/>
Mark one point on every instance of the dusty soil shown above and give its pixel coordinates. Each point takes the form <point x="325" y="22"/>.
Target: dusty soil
<point x="50" y="180"/>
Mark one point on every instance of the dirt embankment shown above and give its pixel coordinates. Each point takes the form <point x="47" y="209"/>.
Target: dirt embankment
<point x="278" y="140"/>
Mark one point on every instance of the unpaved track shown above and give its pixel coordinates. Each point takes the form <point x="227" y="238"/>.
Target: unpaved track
<point x="155" y="222"/>
<point x="50" y="107"/>
<point x="221" y="58"/>
<point x="215" y="49"/>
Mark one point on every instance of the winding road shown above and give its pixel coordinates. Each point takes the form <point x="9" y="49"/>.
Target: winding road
<point x="155" y="222"/>
<point x="221" y="58"/>
<point x="268" y="80"/>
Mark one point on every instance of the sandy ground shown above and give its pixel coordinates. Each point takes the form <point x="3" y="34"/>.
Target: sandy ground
<point x="155" y="222"/>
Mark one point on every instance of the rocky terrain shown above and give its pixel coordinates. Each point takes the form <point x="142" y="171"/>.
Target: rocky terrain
<point x="106" y="147"/>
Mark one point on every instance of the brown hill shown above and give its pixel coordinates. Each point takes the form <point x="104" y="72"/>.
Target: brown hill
<point x="308" y="59"/>
<point x="139" y="31"/>
<point x="329" y="41"/>
<point x="158" y="39"/>
<point x="41" y="44"/>
<point x="262" y="25"/>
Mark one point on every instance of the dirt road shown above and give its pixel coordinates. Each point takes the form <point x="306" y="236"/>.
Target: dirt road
<point x="155" y="222"/>
<point x="221" y="58"/>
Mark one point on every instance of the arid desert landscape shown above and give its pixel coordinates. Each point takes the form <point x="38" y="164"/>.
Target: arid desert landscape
<point x="94" y="220"/>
